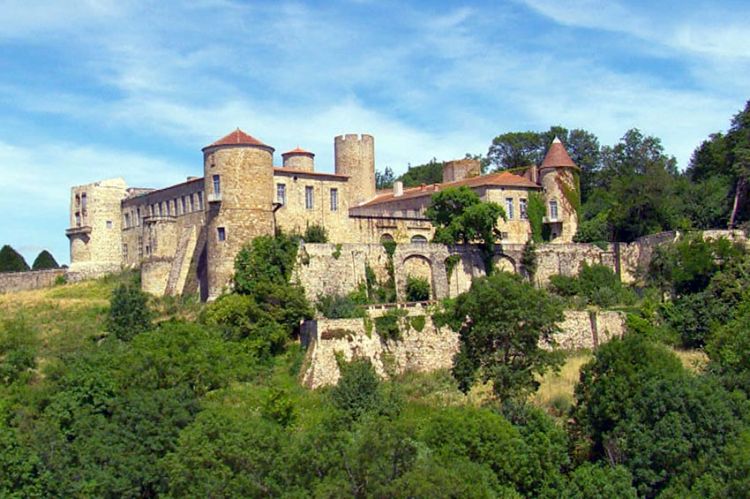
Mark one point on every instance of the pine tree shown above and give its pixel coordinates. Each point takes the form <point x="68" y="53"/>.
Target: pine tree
<point x="11" y="260"/>
<point x="45" y="261"/>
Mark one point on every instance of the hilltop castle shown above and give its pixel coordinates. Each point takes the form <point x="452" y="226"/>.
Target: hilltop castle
<point x="185" y="237"/>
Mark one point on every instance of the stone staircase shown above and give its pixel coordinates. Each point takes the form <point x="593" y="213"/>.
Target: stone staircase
<point x="181" y="264"/>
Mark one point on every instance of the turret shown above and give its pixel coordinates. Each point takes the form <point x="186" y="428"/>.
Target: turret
<point x="559" y="177"/>
<point x="355" y="157"/>
<point x="299" y="159"/>
<point x="238" y="176"/>
<point x="95" y="231"/>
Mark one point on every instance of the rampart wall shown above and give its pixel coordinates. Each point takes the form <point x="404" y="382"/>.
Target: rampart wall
<point x="22" y="281"/>
<point x="421" y="350"/>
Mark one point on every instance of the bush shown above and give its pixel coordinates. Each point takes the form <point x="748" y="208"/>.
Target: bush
<point x="129" y="314"/>
<point x="315" y="234"/>
<point x="342" y="307"/>
<point x="597" y="284"/>
<point x="388" y="326"/>
<point x="358" y="389"/>
<point x="564" y="285"/>
<point x="417" y="289"/>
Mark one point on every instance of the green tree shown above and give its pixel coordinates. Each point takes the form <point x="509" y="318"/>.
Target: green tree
<point x="129" y="314"/>
<point x="738" y="144"/>
<point x="11" y="260"/>
<point x="385" y="179"/>
<point x="45" y="261"/>
<point x="429" y="173"/>
<point x="501" y="320"/>
<point x="417" y="289"/>
<point x="358" y="390"/>
<point x="460" y="216"/>
<point x="599" y="481"/>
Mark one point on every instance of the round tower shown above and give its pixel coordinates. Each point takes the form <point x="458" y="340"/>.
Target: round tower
<point x="299" y="159"/>
<point x="238" y="186"/>
<point x="559" y="177"/>
<point x="355" y="157"/>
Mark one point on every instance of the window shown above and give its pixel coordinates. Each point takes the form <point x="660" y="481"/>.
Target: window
<point x="78" y="219"/>
<point x="138" y="217"/>
<point x="148" y="250"/>
<point x="281" y="194"/>
<point x="553" y="210"/>
<point x="199" y="194"/>
<point x="151" y="210"/>
<point x="83" y="201"/>
<point x="418" y="239"/>
<point x="192" y="203"/>
<point x="127" y="220"/>
<point x="334" y="199"/>
<point x="522" y="209"/>
<point x="509" y="208"/>
<point x="184" y="205"/>
<point x="309" y="197"/>
<point x="217" y="184"/>
<point x="125" y="251"/>
<point x="109" y="224"/>
<point x="78" y="200"/>
<point x="221" y="234"/>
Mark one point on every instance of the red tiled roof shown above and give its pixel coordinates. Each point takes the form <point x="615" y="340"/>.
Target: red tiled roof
<point x="298" y="150"/>
<point x="237" y="137"/>
<point x="501" y="179"/>
<point x="557" y="156"/>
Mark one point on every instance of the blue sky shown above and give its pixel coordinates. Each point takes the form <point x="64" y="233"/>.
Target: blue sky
<point x="103" y="88"/>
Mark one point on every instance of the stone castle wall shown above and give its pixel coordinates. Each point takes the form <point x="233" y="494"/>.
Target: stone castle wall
<point x="425" y="350"/>
<point x="11" y="282"/>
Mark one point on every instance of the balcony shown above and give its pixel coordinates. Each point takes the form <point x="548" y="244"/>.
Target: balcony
<point x="75" y="231"/>
<point x="213" y="197"/>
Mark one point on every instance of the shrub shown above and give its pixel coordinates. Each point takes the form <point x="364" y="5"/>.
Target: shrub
<point x="129" y="314"/>
<point x="417" y="289"/>
<point x="564" y="285"/>
<point x="315" y="234"/>
<point x="358" y="389"/>
<point x="17" y="350"/>
<point x="343" y="307"/>
<point x="61" y="279"/>
<point x="389" y="324"/>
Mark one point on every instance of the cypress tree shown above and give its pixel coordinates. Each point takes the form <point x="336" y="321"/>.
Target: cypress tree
<point x="11" y="260"/>
<point x="45" y="261"/>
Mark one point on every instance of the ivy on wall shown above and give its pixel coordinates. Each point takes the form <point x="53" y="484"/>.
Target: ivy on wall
<point x="535" y="211"/>
<point x="572" y="194"/>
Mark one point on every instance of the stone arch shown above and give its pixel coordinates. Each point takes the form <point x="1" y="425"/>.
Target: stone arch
<point x="418" y="258"/>
<point x="418" y="239"/>
<point x="386" y="237"/>
<point x="504" y="263"/>
<point x="419" y="266"/>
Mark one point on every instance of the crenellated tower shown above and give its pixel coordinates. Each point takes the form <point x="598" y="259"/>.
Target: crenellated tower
<point x="238" y="177"/>
<point x="355" y="157"/>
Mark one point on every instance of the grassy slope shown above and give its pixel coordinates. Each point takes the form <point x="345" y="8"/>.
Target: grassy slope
<point x="70" y="318"/>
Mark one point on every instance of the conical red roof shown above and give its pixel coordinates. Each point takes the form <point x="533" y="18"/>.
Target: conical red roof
<point x="298" y="150"/>
<point x="557" y="156"/>
<point x="237" y="137"/>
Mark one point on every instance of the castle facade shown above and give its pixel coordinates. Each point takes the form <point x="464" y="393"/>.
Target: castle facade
<point x="184" y="237"/>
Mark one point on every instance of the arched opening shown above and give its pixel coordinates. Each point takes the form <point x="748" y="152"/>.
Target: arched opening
<point x="418" y="239"/>
<point x="386" y="238"/>
<point x="418" y="282"/>
<point x="503" y="263"/>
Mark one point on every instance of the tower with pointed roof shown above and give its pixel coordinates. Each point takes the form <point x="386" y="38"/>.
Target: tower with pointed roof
<point x="238" y="186"/>
<point x="559" y="178"/>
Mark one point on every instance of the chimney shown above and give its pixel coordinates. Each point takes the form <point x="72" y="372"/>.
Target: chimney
<point x="398" y="188"/>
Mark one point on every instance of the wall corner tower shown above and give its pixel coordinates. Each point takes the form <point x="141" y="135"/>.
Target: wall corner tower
<point x="238" y="176"/>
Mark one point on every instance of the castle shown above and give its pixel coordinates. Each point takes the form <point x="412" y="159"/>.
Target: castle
<point x="184" y="237"/>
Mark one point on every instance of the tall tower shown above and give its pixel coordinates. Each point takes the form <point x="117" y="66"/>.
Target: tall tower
<point x="355" y="157"/>
<point x="238" y="176"/>
<point x="559" y="177"/>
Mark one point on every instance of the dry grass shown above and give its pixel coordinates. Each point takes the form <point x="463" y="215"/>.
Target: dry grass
<point x="555" y="392"/>
<point x="694" y="360"/>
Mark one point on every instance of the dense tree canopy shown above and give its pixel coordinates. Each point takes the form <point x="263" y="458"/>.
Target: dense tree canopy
<point x="11" y="260"/>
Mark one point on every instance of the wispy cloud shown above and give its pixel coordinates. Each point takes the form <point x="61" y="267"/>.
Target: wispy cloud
<point x="94" y="89"/>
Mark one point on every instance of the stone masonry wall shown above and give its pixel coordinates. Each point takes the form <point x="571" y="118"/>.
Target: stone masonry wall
<point x="427" y="350"/>
<point x="21" y="281"/>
